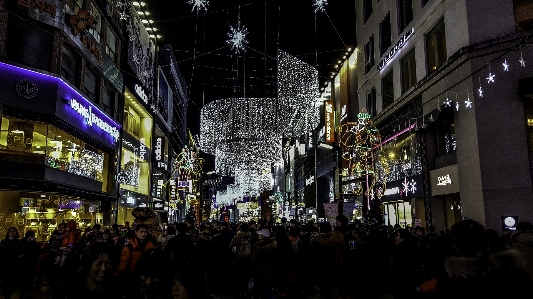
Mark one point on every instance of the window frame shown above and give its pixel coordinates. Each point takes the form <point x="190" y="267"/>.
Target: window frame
<point x="402" y="24"/>
<point x="369" y="54"/>
<point x="439" y="25"/>
<point x="412" y="53"/>
<point x="390" y="73"/>
<point x="371" y="99"/>
<point x="367" y="10"/>
<point x="87" y="92"/>
<point x="77" y="62"/>
<point x="112" y="53"/>
<point x="96" y="29"/>
<point x="381" y="47"/>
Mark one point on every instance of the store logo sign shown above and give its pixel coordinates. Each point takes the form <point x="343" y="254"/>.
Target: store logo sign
<point x="26" y="89"/>
<point x="444" y="180"/>
<point x="330" y="122"/>
<point x="140" y="92"/>
<point x="394" y="50"/>
<point x="158" y="149"/>
<point x="91" y="118"/>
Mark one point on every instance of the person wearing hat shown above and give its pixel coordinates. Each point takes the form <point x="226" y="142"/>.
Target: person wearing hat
<point x="263" y="263"/>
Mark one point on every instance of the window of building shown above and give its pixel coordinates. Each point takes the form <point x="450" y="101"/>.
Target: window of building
<point x="436" y="46"/>
<point x="367" y="9"/>
<point x="108" y="101"/>
<point x="405" y="14"/>
<point x="523" y="13"/>
<point x="111" y="44"/>
<point x="385" y="40"/>
<point x="74" y="5"/>
<point x="70" y="65"/>
<point x="371" y="102"/>
<point x="89" y="84"/>
<point x="408" y="64"/>
<point x="369" y="54"/>
<point x="132" y="121"/>
<point x="96" y="28"/>
<point x="387" y="89"/>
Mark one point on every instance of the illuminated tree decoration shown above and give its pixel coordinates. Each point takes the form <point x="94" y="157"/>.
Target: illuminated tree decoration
<point x="198" y="5"/>
<point x="188" y="164"/>
<point x="237" y="37"/>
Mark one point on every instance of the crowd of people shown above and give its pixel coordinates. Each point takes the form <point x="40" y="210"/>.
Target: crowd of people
<point x="265" y="259"/>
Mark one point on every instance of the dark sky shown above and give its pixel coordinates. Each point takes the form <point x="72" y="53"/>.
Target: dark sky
<point x="213" y="71"/>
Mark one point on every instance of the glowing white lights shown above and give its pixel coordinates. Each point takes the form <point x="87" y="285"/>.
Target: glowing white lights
<point x="505" y="66"/>
<point x="198" y="5"/>
<point x="320" y="5"/>
<point x="468" y="103"/>
<point x="237" y="37"/>
<point x="522" y="61"/>
<point x="480" y="92"/>
<point x="490" y="78"/>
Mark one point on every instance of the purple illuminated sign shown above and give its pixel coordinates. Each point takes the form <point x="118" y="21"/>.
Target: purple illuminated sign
<point x="72" y="106"/>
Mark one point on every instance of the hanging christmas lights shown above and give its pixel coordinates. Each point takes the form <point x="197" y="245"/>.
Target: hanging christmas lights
<point x="237" y="37"/>
<point x="198" y="5"/>
<point x="319" y="5"/>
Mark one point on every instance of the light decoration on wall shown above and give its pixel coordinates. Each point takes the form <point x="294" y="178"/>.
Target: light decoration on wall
<point x="237" y="37"/>
<point x="245" y="134"/>
<point x="320" y="5"/>
<point x="505" y="66"/>
<point x="198" y="5"/>
<point x="188" y="162"/>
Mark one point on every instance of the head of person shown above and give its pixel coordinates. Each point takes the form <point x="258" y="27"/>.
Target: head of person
<point x="189" y="221"/>
<point x="419" y="231"/>
<point x="127" y="224"/>
<point x="106" y="234"/>
<point x="224" y="226"/>
<point x="153" y="269"/>
<point x="171" y="230"/>
<point x="62" y="228"/>
<point x="263" y="234"/>
<point x="295" y="231"/>
<point x="12" y="233"/>
<point x="283" y="220"/>
<point x="342" y="220"/>
<point x="245" y="228"/>
<point x="188" y="283"/>
<point x="325" y="227"/>
<point x="402" y="235"/>
<point x="98" y="262"/>
<point x="469" y="238"/>
<point x="29" y="236"/>
<point x="97" y="227"/>
<point x="432" y="229"/>
<point x="252" y="224"/>
<point x="293" y="222"/>
<point x="141" y="231"/>
<point x="55" y="235"/>
<point x="181" y="228"/>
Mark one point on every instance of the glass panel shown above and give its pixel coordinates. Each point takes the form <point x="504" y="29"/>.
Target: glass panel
<point x="69" y="65"/>
<point x="387" y="89"/>
<point x="111" y="44"/>
<point x="89" y="85"/>
<point x="96" y="28"/>
<point x="132" y="121"/>
<point x="385" y="34"/>
<point x="408" y="71"/>
<point x="436" y="46"/>
<point x="108" y="101"/>
<point x="23" y="136"/>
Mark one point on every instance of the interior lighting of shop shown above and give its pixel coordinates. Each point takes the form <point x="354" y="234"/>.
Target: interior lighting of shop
<point x="412" y="126"/>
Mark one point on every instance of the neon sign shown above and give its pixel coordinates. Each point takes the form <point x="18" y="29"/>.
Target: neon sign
<point x="330" y="126"/>
<point x="93" y="119"/>
<point x="140" y="91"/>
<point x="394" y="50"/>
<point x="444" y="180"/>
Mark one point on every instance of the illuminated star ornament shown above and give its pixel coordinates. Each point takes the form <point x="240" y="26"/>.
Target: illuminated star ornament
<point x="480" y="91"/>
<point x="198" y="5"/>
<point x="522" y="61"/>
<point x="237" y="37"/>
<point x="123" y="16"/>
<point x="490" y="78"/>
<point x="431" y="119"/>
<point x="468" y="103"/>
<point x="457" y="106"/>
<point x="505" y="66"/>
<point x="320" y="5"/>
<point x="448" y="103"/>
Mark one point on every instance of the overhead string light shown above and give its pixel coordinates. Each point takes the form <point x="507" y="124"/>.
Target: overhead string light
<point x="468" y="103"/>
<point x="490" y="78"/>
<point x="320" y="5"/>
<point x="237" y="37"/>
<point x="480" y="89"/>
<point x="198" y="5"/>
<point x="505" y="66"/>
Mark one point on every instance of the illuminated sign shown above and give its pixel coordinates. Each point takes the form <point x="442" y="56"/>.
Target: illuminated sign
<point x="142" y="149"/>
<point x="330" y="121"/>
<point x="392" y="52"/>
<point x="444" y="180"/>
<point x="173" y="190"/>
<point x="140" y="92"/>
<point x="91" y="118"/>
<point x="509" y="222"/>
<point x="158" y="149"/>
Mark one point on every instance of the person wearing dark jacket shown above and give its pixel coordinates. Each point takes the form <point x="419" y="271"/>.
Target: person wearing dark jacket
<point x="180" y="248"/>
<point x="242" y="261"/>
<point x="11" y="253"/>
<point x="30" y="262"/>
<point x="264" y="264"/>
<point x="405" y="267"/>
<point x="220" y="243"/>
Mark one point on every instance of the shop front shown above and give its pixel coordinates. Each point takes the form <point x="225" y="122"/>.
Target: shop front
<point x="59" y="148"/>
<point x="135" y="173"/>
<point x="446" y="189"/>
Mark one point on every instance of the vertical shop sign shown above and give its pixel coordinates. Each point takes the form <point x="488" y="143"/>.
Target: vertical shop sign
<point x="330" y="121"/>
<point x="173" y="190"/>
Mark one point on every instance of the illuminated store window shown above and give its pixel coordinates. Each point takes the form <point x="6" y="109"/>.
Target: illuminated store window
<point x="62" y="151"/>
<point x="387" y="89"/>
<point x="111" y="44"/>
<point x="408" y="71"/>
<point x="89" y="84"/>
<point x="132" y="121"/>
<point x="70" y="65"/>
<point x="398" y="213"/>
<point x="385" y="34"/>
<point x="436" y="46"/>
<point x="402" y="157"/>
<point x="96" y="28"/>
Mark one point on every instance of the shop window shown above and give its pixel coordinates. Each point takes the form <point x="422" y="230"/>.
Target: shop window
<point x="436" y="46"/>
<point x="405" y="14"/>
<point x="387" y="89"/>
<point x="408" y="64"/>
<point x="367" y="9"/>
<point x="111" y="44"/>
<point x="134" y="170"/>
<point x="523" y="13"/>
<point x="96" y="28"/>
<point x="385" y="32"/>
<point x="402" y="159"/>
<point x="132" y="121"/>
<point x="446" y="142"/>
<point x="371" y="102"/>
<point x="398" y="213"/>
<point x="70" y="65"/>
<point x="75" y="5"/>
<point x="89" y="84"/>
<point x="108" y="101"/>
<point x="369" y="54"/>
<point x="23" y="136"/>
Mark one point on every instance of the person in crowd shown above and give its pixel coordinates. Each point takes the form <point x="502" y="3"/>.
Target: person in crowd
<point x="154" y="274"/>
<point x="180" y="248"/>
<point x="95" y="278"/>
<point x="372" y="263"/>
<point x="328" y="246"/>
<point x="192" y="230"/>
<point x="11" y="253"/>
<point x="164" y="238"/>
<point x="283" y="256"/>
<point x="107" y="237"/>
<point x="241" y="244"/>
<point x="295" y="262"/>
<point x="54" y="255"/>
<point x="293" y="223"/>
<point x="406" y="272"/>
<point x="475" y="272"/>
<point x="506" y="238"/>
<point x="30" y="263"/>
<point x="70" y="244"/>
<point x="189" y="284"/>
<point x="494" y="241"/>
<point x="263" y="262"/>
<point x="523" y="242"/>
<point x="132" y="252"/>
<point x="221" y="245"/>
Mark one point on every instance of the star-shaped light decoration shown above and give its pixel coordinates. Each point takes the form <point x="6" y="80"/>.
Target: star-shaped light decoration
<point x="123" y="15"/>
<point x="468" y="103"/>
<point x="198" y="4"/>
<point x="431" y="119"/>
<point x="480" y="91"/>
<point x="505" y="66"/>
<point x="319" y="5"/>
<point x="237" y="37"/>
<point x="490" y="78"/>
<point x="448" y="103"/>
<point x="522" y="61"/>
<point x="457" y="105"/>
<point x="423" y="126"/>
